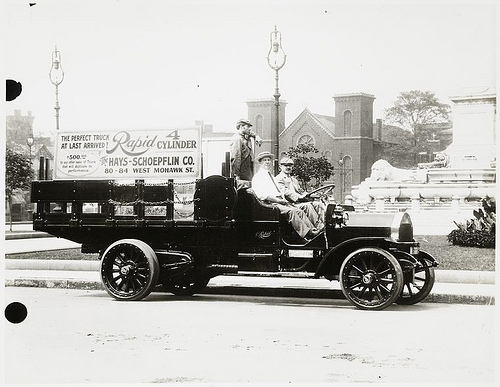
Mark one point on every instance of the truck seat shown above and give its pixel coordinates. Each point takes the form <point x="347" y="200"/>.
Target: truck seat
<point x="250" y="207"/>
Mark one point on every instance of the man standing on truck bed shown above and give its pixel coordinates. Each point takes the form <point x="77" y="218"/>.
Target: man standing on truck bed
<point x="266" y="189"/>
<point x="242" y="153"/>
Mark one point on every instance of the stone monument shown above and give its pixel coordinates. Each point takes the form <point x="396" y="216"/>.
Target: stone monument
<point x="466" y="170"/>
<point x="474" y="138"/>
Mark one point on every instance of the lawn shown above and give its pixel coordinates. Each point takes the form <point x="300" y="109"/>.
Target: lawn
<point x="457" y="257"/>
<point x="449" y="257"/>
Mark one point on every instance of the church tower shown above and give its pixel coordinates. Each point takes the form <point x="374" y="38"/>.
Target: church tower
<point x="262" y="115"/>
<point x="354" y="133"/>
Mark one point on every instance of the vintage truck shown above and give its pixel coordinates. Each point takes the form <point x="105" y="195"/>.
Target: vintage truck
<point x="144" y="244"/>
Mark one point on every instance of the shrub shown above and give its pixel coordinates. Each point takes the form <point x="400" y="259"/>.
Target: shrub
<point x="479" y="231"/>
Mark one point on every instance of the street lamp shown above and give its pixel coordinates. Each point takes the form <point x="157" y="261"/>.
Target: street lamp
<point x="30" y="141"/>
<point x="345" y="163"/>
<point x="56" y="76"/>
<point x="276" y="59"/>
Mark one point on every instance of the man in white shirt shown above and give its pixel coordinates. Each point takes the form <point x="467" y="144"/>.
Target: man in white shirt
<point x="266" y="189"/>
<point x="294" y="193"/>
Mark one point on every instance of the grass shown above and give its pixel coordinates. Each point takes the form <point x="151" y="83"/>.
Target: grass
<point x="457" y="257"/>
<point x="449" y="257"/>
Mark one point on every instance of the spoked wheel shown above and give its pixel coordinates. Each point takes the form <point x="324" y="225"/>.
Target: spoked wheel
<point x="129" y="269"/>
<point x="418" y="287"/>
<point x="371" y="278"/>
<point x="188" y="286"/>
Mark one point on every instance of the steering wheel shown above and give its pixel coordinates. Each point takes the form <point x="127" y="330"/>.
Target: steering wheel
<point x="326" y="189"/>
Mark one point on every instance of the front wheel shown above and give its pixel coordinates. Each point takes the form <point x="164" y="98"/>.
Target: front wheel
<point x="129" y="269"/>
<point x="420" y="285"/>
<point x="371" y="278"/>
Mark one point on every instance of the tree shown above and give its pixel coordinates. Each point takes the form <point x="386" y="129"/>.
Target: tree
<point x="310" y="171"/>
<point x="18" y="175"/>
<point x="394" y="147"/>
<point x="419" y="112"/>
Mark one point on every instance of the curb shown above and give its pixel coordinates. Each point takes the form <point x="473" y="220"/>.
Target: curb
<point x="255" y="291"/>
<point x="442" y="276"/>
<point x="27" y="235"/>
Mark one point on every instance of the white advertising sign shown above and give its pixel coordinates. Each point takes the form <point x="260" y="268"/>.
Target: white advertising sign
<point x="128" y="154"/>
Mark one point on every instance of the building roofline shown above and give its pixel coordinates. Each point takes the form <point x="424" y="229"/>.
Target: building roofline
<point x="479" y="92"/>
<point x="354" y="95"/>
<point x="315" y="119"/>
<point x="260" y="100"/>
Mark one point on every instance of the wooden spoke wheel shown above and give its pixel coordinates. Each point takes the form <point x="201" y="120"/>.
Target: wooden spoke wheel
<point x="418" y="287"/>
<point x="371" y="278"/>
<point x="129" y="269"/>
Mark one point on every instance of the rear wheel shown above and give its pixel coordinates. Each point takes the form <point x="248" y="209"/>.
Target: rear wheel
<point x="129" y="269"/>
<point x="371" y="278"/>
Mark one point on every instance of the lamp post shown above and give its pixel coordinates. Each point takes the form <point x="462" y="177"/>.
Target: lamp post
<point x="30" y="141"/>
<point x="345" y="163"/>
<point x="56" y="76"/>
<point x="276" y="59"/>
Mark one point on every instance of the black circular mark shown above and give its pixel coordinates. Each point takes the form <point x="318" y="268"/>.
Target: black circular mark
<point x="16" y="312"/>
<point x="13" y="89"/>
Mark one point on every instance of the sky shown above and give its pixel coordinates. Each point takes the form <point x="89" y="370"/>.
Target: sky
<point x="162" y="64"/>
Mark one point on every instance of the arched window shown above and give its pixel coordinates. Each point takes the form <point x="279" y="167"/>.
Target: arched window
<point x="347" y="123"/>
<point x="306" y="139"/>
<point x="259" y="125"/>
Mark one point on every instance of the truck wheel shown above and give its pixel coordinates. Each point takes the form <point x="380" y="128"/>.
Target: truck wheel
<point x="371" y="278"/>
<point x="129" y="269"/>
<point x="421" y="286"/>
<point x="187" y="287"/>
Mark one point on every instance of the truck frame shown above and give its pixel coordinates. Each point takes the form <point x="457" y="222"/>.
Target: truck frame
<point x="144" y="244"/>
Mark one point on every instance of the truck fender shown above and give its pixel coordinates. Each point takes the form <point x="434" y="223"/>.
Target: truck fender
<point x="332" y="260"/>
<point x="427" y="256"/>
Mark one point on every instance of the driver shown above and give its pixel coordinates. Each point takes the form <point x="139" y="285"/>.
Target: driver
<point x="294" y="193"/>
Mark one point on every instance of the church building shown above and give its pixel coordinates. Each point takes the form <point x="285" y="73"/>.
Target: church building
<point x="348" y="139"/>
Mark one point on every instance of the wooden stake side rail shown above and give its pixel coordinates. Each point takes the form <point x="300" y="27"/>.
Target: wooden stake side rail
<point x="105" y="203"/>
<point x="100" y="203"/>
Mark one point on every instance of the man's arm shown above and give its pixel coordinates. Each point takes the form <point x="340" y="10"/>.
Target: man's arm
<point x="235" y="156"/>
<point x="287" y="188"/>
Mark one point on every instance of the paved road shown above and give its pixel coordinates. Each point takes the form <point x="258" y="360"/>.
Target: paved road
<point x="74" y="336"/>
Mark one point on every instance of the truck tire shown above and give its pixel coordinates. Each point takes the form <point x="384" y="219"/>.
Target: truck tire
<point x="422" y="284"/>
<point x="129" y="269"/>
<point x="371" y="278"/>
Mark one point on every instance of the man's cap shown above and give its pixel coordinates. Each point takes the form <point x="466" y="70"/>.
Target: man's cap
<point x="261" y="155"/>
<point x="243" y="122"/>
<point x="286" y="160"/>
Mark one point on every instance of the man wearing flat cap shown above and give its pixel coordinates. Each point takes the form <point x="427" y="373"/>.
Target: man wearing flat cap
<point x="293" y="192"/>
<point x="266" y="189"/>
<point x="242" y="167"/>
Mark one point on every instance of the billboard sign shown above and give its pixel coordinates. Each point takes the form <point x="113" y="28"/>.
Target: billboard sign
<point x="128" y="154"/>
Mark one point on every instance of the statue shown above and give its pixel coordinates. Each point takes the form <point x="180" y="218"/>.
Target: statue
<point x="383" y="171"/>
